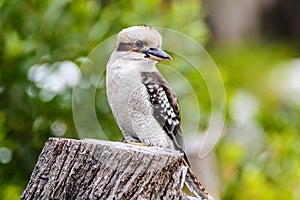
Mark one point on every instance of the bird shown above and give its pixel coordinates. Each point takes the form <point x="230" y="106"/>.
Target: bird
<point x="143" y="103"/>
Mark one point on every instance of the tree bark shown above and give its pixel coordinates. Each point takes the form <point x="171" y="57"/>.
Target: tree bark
<point x="94" y="169"/>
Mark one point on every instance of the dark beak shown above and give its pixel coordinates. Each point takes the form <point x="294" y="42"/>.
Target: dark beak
<point x="156" y="54"/>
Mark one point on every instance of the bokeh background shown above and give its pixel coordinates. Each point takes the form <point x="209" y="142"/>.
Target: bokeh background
<point x="255" y="44"/>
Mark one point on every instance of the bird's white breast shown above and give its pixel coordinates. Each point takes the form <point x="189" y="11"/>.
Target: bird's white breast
<point x="129" y="101"/>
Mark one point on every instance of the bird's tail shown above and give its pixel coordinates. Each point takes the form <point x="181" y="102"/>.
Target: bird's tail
<point x="194" y="184"/>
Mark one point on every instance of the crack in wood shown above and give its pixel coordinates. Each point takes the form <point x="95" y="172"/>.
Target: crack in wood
<point x="91" y="169"/>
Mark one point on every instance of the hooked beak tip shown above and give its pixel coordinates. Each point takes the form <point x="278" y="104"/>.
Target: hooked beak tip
<point x="156" y="54"/>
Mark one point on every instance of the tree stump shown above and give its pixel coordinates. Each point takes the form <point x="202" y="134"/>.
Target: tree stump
<point x="95" y="169"/>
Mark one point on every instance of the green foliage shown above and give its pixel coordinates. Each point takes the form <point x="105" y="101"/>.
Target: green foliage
<point x="272" y="170"/>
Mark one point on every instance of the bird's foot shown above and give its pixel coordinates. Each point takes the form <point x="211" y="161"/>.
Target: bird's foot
<point x="138" y="144"/>
<point x="133" y="141"/>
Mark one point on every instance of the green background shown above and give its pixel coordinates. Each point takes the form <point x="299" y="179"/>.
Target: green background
<point x="253" y="71"/>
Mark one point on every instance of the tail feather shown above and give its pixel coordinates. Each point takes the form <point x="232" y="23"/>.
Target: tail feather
<point x="194" y="184"/>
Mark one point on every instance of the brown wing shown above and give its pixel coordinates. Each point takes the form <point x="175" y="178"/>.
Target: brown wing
<point x="165" y="104"/>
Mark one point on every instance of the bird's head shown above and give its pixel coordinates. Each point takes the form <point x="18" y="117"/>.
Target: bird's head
<point x="141" y="42"/>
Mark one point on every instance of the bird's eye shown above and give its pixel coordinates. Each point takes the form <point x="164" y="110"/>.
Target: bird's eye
<point x="139" y="44"/>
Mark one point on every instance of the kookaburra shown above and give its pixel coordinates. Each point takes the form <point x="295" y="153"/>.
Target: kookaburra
<point x="142" y="102"/>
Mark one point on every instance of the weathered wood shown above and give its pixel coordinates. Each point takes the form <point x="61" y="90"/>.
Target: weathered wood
<point x="93" y="169"/>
